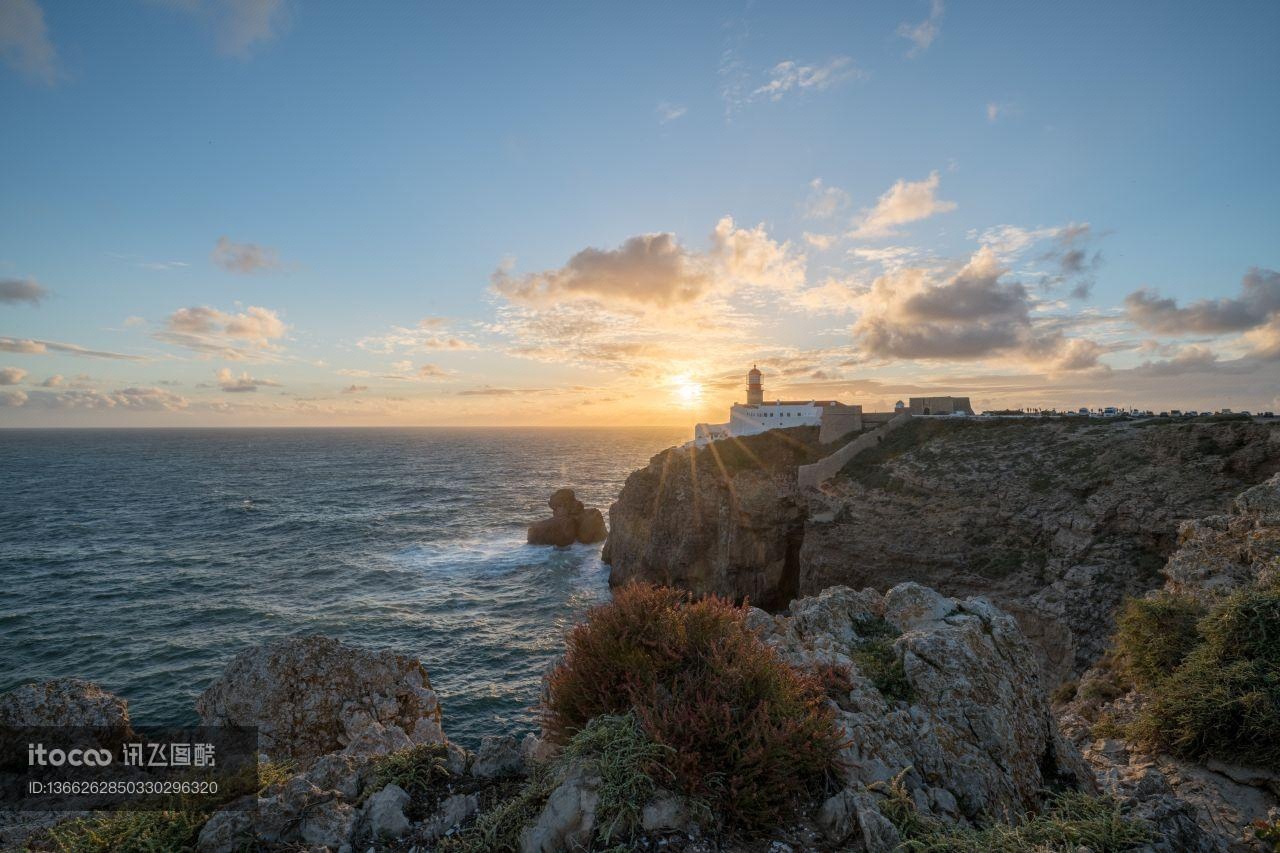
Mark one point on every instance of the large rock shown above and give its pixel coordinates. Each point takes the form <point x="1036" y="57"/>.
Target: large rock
<point x="314" y="695"/>
<point x="568" y="820"/>
<point x="570" y="522"/>
<point x="64" y="702"/>
<point x="1056" y="521"/>
<point x="972" y="730"/>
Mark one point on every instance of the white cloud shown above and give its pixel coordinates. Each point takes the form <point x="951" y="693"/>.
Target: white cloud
<point x="14" y="290"/>
<point x="668" y="112"/>
<point x="238" y="25"/>
<point x="993" y="111"/>
<point x="29" y="346"/>
<point x="24" y="41"/>
<point x="430" y="335"/>
<point x="354" y="389"/>
<point x="824" y="201"/>
<point x="244" y="258"/>
<point x="790" y="76"/>
<point x="228" y="381"/>
<point x="12" y="375"/>
<point x="252" y="333"/>
<point x="904" y="202"/>
<point x="821" y="242"/>
<point x="922" y="35"/>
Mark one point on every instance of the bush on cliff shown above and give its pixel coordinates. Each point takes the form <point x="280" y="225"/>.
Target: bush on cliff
<point x="745" y="733"/>
<point x="1154" y="635"/>
<point x="1223" y="699"/>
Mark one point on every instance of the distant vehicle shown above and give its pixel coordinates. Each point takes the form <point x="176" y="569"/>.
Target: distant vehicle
<point x="1224" y="411"/>
<point x="1110" y="412"/>
<point x="1082" y="411"/>
<point x="1245" y="412"/>
<point x="1164" y="414"/>
<point x="1176" y="413"/>
<point x="1191" y="413"/>
<point x="1268" y="414"/>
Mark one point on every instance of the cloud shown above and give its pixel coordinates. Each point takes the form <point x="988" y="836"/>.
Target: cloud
<point x="922" y="35"/>
<point x="498" y="392"/>
<point x="238" y="25"/>
<point x="54" y="381"/>
<point x="12" y="399"/>
<point x="14" y="290"/>
<point x="670" y="112"/>
<point x="132" y="398"/>
<point x="12" y="375"/>
<point x="354" y="389"/>
<point x="823" y="201"/>
<point x="821" y="242"/>
<point x="904" y="202"/>
<point x="29" y="346"/>
<point x="972" y="314"/>
<point x="24" y="41"/>
<point x="993" y="111"/>
<point x="790" y="76"/>
<point x="430" y="335"/>
<point x="431" y="371"/>
<point x="1257" y="305"/>
<point x="244" y="258"/>
<point x="228" y="381"/>
<point x="656" y="271"/>
<point x="249" y="334"/>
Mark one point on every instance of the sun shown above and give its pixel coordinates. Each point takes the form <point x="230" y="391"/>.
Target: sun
<point x="687" y="391"/>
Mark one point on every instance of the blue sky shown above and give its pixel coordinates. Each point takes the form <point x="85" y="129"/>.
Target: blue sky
<point x="582" y="213"/>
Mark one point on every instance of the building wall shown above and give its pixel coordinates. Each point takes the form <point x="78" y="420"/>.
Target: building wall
<point x="839" y="421"/>
<point x="940" y="405"/>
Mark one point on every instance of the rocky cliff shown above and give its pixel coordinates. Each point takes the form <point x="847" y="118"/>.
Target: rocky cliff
<point x="1055" y="520"/>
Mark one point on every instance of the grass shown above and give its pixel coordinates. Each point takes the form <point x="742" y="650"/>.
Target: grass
<point x="1222" y="699"/>
<point x="1154" y="635"/>
<point x="130" y="832"/>
<point x="422" y="771"/>
<point x="1069" y="820"/>
<point x="747" y="734"/>
<point x="616" y="748"/>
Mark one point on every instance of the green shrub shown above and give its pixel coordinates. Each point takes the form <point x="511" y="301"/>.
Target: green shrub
<point x="422" y="771"/>
<point x="129" y="832"/>
<point x="1070" y="820"/>
<point x="1154" y="635"/>
<point x="630" y="767"/>
<point x="1223" y="700"/>
<point x="879" y="661"/>
<point x="747" y="734"/>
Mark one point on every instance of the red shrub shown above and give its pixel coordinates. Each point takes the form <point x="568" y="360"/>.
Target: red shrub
<point x="750" y="735"/>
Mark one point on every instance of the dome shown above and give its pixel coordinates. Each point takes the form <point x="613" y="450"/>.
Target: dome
<point x="754" y="371"/>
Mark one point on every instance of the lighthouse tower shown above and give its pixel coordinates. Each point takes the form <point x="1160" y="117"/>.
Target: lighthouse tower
<point x="755" y="391"/>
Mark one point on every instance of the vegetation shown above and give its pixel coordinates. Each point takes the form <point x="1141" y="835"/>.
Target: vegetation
<point x="1154" y="635"/>
<point x="878" y="660"/>
<point x="1070" y="820"/>
<point x="613" y="746"/>
<point x="129" y="832"/>
<point x="422" y="771"/>
<point x="743" y="732"/>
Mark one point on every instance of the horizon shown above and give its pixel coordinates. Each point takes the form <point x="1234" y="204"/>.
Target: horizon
<point x="604" y="215"/>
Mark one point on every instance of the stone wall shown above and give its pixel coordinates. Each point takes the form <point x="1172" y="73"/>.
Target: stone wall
<point x="839" y="421"/>
<point x="811" y="476"/>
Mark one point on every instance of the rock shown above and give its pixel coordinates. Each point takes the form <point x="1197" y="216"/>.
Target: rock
<point x="1055" y="522"/>
<point x="452" y="811"/>
<point x="570" y="522"/>
<point x="330" y="824"/>
<point x="498" y="756"/>
<point x="64" y="702"/>
<point x="974" y="727"/>
<point x="854" y="816"/>
<point x="568" y="820"/>
<point x="560" y="530"/>
<point x="534" y="748"/>
<point x="591" y="527"/>
<point x="384" y="813"/>
<point x="227" y="831"/>
<point x="310" y="696"/>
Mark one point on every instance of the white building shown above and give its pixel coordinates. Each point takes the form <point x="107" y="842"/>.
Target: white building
<point x="757" y="415"/>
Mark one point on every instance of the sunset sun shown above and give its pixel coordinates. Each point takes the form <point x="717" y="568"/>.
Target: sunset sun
<point x="687" y="391"/>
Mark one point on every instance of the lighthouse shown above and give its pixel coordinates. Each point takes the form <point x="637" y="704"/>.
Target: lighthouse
<point x="755" y="391"/>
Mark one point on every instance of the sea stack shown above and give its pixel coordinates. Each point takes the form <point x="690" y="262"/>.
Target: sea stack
<point x="570" y="522"/>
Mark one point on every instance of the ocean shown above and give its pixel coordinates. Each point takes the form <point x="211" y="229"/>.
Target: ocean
<point x="144" y="560"/>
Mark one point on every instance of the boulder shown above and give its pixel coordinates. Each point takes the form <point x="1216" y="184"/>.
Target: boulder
<point x="499" y="755"/>
<point x="384" y="813"/>
<point x="570" y="522"/>
<point x="966" y="717"/>
<point x="559" y="530"/>
<point x="568" y="820"/>
<point x="64" y="702"/>
<point x="310" y="696"/>
<point x="591" y="529"/>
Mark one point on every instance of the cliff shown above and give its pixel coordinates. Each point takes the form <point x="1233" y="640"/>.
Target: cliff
<point x="1056" y="521"/>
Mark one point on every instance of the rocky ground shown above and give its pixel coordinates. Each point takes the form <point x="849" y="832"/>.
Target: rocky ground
<point x="1055" y="520"/>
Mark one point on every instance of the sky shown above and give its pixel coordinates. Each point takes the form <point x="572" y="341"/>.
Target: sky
<point x="280" y="212"/>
